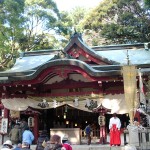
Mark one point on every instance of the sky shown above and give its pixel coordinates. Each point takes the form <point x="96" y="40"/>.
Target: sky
<point x="68" y="5"/>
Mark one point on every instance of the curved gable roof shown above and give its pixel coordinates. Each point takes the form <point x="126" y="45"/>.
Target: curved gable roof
<point x="76" y="40"/>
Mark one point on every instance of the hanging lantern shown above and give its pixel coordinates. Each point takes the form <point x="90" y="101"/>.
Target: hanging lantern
<point x="67" y="122"/>
<point x="64" y="115"/>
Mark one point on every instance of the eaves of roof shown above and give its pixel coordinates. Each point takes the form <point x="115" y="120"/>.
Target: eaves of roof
<point x="91" y="70"/>
<point x="95" y="71"/>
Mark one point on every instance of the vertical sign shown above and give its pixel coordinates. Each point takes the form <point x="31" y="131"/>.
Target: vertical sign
<point x="4" y="125"/>
<point x="31" y="122"/>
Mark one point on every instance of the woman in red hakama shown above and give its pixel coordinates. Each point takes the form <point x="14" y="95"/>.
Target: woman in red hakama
<point x="114" y="126"/>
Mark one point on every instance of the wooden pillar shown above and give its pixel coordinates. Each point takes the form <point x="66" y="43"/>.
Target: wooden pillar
<point x="36" y="127"/>
<point x="6" y="113"/>
<point x="1" y="106"/>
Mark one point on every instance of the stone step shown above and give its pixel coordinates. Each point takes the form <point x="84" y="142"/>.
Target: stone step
<point x="89" y="147"/>
<point x="97" y="147"/>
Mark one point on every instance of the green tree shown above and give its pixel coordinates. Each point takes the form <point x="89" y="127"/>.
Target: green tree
<point x="11" y="19"/>
<point x="26" y="25"/>
<point x="147" y="4"/>
<point x="69" y="23"/>
<point x="40" y="19"/>
<point x="120" y="21"/>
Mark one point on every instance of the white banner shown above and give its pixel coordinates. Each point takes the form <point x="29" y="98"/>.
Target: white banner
<point x="130" y="89"/>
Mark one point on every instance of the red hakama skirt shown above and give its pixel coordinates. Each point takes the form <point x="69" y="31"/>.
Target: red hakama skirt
<point x="115" y="136"/>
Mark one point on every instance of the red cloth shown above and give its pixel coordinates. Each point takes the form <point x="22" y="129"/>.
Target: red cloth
<point x="115" y="136"/>
<point x="67" y="146"/>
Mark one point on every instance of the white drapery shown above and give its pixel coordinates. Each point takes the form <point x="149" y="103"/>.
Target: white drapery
<point x="116" y="103"/>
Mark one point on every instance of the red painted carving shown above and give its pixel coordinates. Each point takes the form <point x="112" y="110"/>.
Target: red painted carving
<point x="76" y="51"/>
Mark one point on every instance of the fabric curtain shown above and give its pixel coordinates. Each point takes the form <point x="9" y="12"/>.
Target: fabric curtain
<point x="114" y="102"/>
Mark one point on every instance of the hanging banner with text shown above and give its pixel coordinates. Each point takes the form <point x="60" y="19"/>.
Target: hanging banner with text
<point x="130" y="89"/>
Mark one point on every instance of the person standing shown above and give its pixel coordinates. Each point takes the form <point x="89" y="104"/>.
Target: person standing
<point x="88" y="133"/>
<point x="27" y="136"/>
<point x="114" y="126"/>
<point x="15" y="135"/>
<point x="42" y="138"/>
<point x="23" y="125"/>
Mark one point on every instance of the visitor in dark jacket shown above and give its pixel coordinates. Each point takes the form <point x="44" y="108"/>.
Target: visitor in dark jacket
<point x="42" y="138"/>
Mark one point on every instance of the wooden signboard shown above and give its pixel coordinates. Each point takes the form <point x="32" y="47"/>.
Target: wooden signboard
<point x="4" y="125"/>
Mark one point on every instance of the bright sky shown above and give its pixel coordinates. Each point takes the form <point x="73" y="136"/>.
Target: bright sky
<point x="67" y="5"/>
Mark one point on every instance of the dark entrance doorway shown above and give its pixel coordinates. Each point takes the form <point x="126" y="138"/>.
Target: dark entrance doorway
<point x="67" y="117"/>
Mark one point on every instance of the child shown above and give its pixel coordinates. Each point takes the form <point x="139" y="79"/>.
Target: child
<point x="66" y="143"/>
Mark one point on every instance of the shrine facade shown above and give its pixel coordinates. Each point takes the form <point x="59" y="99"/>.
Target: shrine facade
<point x="78" y="76"/>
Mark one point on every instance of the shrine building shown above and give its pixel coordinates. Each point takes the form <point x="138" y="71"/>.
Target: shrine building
<point x="60" y="88"/>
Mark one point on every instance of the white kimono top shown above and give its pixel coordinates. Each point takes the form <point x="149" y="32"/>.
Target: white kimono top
<point x="114" y="120"/>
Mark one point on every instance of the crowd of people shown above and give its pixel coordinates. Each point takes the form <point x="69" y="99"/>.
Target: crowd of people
<point x="21" y="138"/>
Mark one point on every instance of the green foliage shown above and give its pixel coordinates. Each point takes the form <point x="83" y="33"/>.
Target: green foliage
<point x="94" y="38"/>
<point x="41" y="17"/>
<point x="26" y="25"/>
<point x="120" y="21"/>
<point x="147" y="4"/>
<point x="11" y="19"/>
<point x="69" y="23"/>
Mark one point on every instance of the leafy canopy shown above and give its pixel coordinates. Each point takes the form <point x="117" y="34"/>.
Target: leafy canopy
<point x="120" y="21"/>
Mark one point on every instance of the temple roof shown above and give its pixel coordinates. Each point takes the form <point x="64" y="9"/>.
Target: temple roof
<point x="108" y="60"/>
